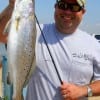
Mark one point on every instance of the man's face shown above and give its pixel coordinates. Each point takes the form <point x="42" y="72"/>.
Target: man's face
<point x="67" y="19"/>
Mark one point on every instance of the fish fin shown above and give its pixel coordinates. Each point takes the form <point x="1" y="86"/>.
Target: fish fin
<point x="17" y="23"/>
<point x="7" y="27"/>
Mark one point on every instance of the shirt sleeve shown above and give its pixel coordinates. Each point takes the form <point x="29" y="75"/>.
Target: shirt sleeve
<point x="96" y="63"/>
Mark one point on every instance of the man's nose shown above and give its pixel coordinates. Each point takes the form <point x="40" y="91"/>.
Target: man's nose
<point x="67" y="11"/>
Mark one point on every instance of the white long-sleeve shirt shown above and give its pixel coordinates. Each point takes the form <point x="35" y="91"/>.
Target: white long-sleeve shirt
<point x="77" y="58"/>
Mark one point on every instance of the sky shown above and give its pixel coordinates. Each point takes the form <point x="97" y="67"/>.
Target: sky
<point x="44" y="10"/>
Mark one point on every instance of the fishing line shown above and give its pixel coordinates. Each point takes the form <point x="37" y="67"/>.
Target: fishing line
<point x="49" y="50"/>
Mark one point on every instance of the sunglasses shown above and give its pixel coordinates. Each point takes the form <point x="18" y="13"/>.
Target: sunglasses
<point x="65" y="6"/>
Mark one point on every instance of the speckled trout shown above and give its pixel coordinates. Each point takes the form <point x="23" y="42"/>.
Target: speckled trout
<point x="21" y="46"/>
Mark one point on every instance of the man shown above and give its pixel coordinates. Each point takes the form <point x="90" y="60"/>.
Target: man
<point x="4" y="17"/>
<point x="76" y="56"/>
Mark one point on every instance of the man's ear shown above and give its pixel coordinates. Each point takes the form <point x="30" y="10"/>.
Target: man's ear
<point x="55" y="5"/>
<point x="83" y="11"/>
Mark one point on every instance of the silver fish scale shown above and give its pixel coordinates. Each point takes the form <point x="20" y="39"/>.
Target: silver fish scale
<point x="24" y="8"/>
<point x="21" y="46"/>
<point x="26" y="44"/>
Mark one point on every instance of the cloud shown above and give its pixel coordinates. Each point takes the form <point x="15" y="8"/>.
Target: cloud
<point x="98" y="25"/>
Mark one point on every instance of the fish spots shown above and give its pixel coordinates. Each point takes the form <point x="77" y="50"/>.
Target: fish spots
<point x="27" y="68"/>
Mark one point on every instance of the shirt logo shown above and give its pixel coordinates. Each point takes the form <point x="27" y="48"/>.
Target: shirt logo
<point x="82" y="56"/>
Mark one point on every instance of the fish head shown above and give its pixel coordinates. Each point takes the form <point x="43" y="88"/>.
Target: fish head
<point x="24" y="8"/>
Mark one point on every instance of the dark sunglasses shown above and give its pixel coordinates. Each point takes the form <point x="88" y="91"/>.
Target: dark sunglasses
<point x="65" y="6"/>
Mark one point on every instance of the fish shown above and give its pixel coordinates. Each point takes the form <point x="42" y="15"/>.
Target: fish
<point x="21" y="46"/>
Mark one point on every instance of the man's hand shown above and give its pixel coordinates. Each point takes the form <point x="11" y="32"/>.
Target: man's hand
<point x="72" y="92"/>
<point x="12" y="1"/>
